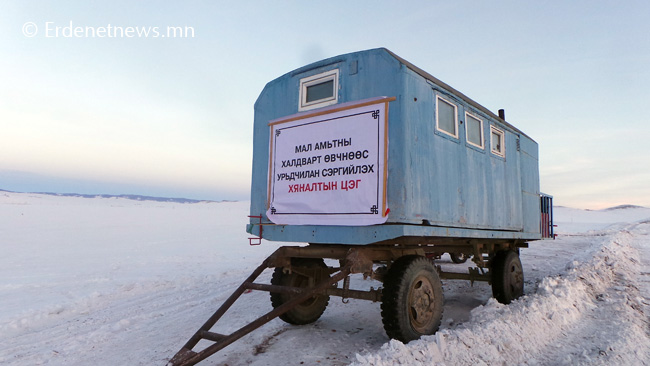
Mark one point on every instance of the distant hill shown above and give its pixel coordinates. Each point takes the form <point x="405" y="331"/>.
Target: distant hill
<point x="622" y="207"/>
<point x="134" y="197"/>
<point x="619" y="207"/>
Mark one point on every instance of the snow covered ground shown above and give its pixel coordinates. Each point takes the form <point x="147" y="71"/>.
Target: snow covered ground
<point x="112" y="281"/>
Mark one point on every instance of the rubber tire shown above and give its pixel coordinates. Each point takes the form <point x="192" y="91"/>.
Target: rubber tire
<point x="310" y="310"/>
<point x="507" y="276"/>
<point x="406" y="277"/>
<point x="458" y="258"/>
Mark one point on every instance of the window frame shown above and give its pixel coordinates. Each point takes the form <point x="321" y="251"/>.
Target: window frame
<point x="323" y="77"/>
<point x="500" y="132"/>
<point x="470" y="115"/>
<point x="438" y="98"/>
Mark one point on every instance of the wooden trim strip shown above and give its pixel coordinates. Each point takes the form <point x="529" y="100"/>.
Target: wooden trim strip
<point x="299" y="116"/>
<point x="268" y="193"/>
<point x="345" y="107"/>
<point x="383" y="210"/>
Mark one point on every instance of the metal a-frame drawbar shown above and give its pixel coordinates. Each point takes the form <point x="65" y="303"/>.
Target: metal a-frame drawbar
<point x="353" y="262"/>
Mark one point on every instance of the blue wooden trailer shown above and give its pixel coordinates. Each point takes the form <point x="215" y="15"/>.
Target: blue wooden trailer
<point x="376" y="163"/>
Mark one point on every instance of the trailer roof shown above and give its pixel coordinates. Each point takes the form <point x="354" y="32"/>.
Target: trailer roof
<point x="437" y="81"/>
<point x="415" y="69"/>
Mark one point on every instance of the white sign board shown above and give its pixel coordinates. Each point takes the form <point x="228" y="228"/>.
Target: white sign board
<point x="329" y="167"/>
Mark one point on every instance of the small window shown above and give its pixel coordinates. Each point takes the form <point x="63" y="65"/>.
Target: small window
<point x="497" y="141"/>
<point x="446" y="117"/>
<point x="319" y="90"/>
<point x="474" y="129"/>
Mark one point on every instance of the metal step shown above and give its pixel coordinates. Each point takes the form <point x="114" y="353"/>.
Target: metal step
<point x="187" y="357"/>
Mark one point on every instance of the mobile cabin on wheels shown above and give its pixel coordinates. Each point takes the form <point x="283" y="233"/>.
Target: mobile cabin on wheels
<point x="377" y="164"/>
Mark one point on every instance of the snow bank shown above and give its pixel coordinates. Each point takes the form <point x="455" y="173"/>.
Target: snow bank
<point x="575" y="308"/>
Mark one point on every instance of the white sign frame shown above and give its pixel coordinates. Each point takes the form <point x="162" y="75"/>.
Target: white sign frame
<point x="329" y="167"/>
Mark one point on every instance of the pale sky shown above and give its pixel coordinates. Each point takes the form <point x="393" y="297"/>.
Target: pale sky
<point x="173" y="116"/>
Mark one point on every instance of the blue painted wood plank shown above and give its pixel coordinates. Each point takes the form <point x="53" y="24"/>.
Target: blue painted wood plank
<point x="433" y="179"/>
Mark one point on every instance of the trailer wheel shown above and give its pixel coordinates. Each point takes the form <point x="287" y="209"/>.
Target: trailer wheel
<point x="507" y="276"/>
<point x="311" y="309"/>
<point x="458" y="257"/>
<point x="412" y="300"/>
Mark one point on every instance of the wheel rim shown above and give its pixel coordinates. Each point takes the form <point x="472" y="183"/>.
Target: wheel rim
<point x="421" y="304"/>
<point x="303" y="282"/>
<point x="516" y="278"/>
